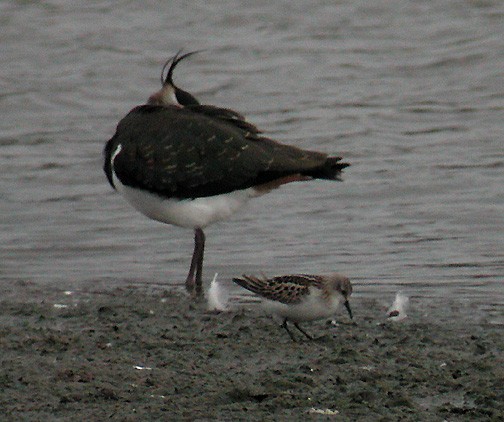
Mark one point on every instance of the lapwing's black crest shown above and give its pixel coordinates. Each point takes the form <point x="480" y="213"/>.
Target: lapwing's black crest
<point x="180" y="96"/>
<point x="181" y="152"/>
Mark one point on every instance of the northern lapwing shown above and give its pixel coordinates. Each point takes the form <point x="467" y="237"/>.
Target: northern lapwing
<point x="187" y="164"/>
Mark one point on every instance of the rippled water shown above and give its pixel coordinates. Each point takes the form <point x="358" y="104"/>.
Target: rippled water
<point x="411" y="93"/>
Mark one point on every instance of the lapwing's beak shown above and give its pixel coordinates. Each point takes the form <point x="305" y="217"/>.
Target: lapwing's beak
<point x="347" y="306"/>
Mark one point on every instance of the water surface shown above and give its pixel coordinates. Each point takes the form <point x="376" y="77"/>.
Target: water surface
<point x="411" y="93"/>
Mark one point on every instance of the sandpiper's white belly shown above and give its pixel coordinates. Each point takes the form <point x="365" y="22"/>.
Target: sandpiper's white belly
<point x="313" y="307"/>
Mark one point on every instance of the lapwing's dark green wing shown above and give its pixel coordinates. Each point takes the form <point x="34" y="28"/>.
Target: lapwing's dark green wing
<point x="198" y="152"/>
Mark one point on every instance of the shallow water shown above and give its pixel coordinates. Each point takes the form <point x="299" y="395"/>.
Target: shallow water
<point x="411" y="94"/>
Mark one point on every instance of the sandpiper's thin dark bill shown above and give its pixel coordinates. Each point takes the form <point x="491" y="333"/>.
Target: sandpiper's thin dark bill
<point x="183" y="163"/>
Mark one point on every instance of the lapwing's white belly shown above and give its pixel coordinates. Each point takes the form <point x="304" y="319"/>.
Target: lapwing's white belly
<point x="198" y="212"/>
<point x="192" y="213"/>
<point x="313" y="307"/>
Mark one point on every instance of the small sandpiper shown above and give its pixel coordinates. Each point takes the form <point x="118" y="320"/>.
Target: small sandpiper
<point x="300" y="297"/>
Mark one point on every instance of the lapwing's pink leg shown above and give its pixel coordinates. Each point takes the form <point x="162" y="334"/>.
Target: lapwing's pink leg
<point x="194" y="278"/>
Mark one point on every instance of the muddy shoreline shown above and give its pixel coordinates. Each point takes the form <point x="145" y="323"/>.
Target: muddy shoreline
<point x="131" y="354"/>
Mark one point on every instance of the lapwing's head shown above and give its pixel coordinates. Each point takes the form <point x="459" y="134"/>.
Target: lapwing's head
<point x="342" y="285"/>
<point x="170" y="94"/>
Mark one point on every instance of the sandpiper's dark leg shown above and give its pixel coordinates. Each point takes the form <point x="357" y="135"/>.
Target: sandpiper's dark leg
<point x="194" y="278"/>
<point x="347" y="306"/>
<point x="284" y="325"/>
<point x="303" y="331"/>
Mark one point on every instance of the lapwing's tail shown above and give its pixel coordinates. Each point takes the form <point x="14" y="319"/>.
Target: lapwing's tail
<point x="330" y="170"/>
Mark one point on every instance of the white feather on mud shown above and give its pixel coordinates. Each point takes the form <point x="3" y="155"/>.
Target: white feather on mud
<point x="217" y="296"/>
<point x="397" y="312"/>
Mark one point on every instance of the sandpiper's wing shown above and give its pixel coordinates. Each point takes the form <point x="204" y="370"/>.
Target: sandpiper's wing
<point x="288" y="289"/>
<point x="200" y="151"/>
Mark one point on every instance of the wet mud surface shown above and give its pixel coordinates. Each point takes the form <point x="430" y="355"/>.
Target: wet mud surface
<point x="131" y="354"/>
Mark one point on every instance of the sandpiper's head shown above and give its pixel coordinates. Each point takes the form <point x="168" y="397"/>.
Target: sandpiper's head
<point x="170" y="94"/>
<point x="342" y="285"/>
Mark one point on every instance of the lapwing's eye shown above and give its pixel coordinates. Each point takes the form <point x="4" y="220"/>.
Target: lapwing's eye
<point x="344" y="292"/>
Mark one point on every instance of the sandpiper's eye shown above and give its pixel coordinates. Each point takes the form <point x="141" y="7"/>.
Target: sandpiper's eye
<point x="344" y="292"/>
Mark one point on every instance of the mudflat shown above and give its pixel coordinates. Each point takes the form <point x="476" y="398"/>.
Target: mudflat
<point x="139" y="354"/>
